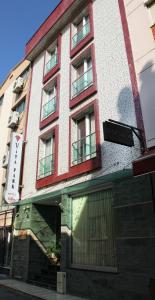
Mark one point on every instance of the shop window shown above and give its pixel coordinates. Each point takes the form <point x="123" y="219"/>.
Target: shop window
<point x="93" y="242"/>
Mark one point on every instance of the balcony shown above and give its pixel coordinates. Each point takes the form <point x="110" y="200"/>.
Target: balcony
<point x="81" y="34"/>
<point x="49" y="108"/>
<point x="82" y="83"/>
<point x="84" y="149"/>
<point x="46" y="166"/>
<point x="51" y="63"/>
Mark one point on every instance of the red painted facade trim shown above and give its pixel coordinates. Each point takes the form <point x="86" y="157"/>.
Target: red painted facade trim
<point x="40" y="183"/>
<point x="131" y="67"/>
<point x="87" y="39"/>
<point x="54" y="70"/>
<point x="47" y="25"/>
<point x="25" y="130"/>
<point x="145" y="164"/>
<point x="88" y="166"/>
<point x="55" y="115"/>
<point x="153" y="31"/>
<point x="90" y="90"/>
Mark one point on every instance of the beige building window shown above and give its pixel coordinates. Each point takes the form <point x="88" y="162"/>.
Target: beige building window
<point x="150" y="4"/>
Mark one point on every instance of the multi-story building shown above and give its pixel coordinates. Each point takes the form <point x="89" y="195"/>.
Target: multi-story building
<point x="142" y="35"/>
<point x="13" y="99"/>
<point x="80" y="201"/>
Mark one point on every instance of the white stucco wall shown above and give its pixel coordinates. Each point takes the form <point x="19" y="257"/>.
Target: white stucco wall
<point x="143" y="47"/>
<point x="114" y="96"/>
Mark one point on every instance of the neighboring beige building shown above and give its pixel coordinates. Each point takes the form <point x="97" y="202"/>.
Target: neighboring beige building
<point x="141" y="23"/>
<point x="13" y="100"/>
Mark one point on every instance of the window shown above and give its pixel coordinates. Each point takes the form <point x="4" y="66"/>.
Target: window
<point x="82" y="75"/>
<point x="46" y="156"/>
<point x="81" y="29"/>
<point x="151" y="9"/>
<point x="25" y="74"/>
<point x="51" y="57"/>
<point x="84" y="145"/>
<point x="1" y="100"/>
<point x="20" y="107"/>
<point x="93" y="242"/>
<point x="49" y="99"/>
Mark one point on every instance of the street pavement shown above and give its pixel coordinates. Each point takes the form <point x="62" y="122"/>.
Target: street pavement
<point x="11" y="289"/>
<point x="8" y="294"/>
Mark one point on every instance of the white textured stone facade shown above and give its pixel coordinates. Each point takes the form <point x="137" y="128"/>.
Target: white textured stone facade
<point x="114" y="97"/>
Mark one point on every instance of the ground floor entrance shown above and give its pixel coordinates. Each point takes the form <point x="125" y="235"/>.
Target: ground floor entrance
<point x="36" y="245"/>
<point x="5" y="241"/>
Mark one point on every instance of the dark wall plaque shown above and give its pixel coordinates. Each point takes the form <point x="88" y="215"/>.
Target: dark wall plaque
<point x="118" y="134"/>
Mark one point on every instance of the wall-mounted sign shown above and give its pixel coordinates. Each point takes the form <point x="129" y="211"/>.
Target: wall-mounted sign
<point x="118" y="134"/>
<point x="12" y="187"/>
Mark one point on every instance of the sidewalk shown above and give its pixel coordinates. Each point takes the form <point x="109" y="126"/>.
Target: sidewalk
<point x="40" y="293"/>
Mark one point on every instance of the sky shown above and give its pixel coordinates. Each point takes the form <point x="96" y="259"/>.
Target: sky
<point x="19" y="19"/>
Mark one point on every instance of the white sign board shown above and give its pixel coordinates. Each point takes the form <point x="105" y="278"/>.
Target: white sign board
<point x="12" y="188"/>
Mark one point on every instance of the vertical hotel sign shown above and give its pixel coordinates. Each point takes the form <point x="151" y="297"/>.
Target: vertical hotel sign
<point x="12" y="189"/>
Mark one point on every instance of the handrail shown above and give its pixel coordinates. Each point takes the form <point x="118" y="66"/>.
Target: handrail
<point x="82" y="82"/>
<point x="84" y="148"/>
<point x="49" y="168"/>
<point x="51" y="63"/>
<point x="47" y="105"/>
<point x="80" y="35"/>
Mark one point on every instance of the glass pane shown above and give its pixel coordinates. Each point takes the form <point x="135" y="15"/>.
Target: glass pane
<point x="82" y="32"/>
<point x="92" y="230"/>
<point x="82" y="82"/>
<point x="51" y="63"/>
<point x="84" y="148"/>
<point x="46" y="166"/>
<point x="49" y="107"/>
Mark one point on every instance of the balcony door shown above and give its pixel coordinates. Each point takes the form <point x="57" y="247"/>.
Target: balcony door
<point x="85" y="132"/>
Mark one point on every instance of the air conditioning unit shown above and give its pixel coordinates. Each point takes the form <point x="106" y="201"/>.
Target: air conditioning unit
<point x="61" y="282"/>
<point x="148" y="2"/>
<point x="18" y="85"/>
<point x="13" y="119"/>
<point x="5" y="160"/>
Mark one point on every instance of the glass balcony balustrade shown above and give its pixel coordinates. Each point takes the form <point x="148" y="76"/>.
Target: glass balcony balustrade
<point x="49" y="107"/>
<point x="82" y="83"/>
<point x="81" y="34"/>
<point x="46" y="166"/>
<point x="51" y="63"/>
<point x="84" y="149"/>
